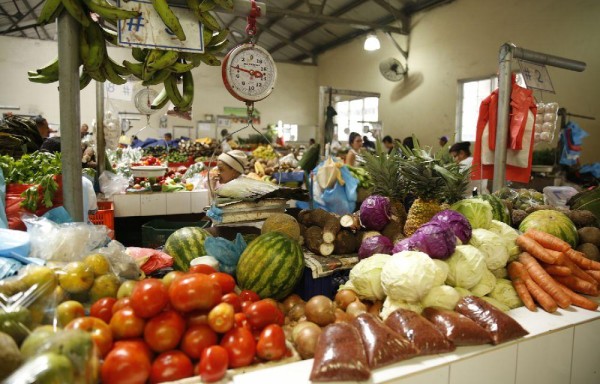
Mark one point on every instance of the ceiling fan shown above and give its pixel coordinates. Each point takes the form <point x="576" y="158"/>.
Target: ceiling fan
<point x="392" y="69"/>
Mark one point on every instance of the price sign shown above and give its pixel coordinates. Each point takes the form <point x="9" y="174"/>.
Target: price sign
<point x="148" y="29"/>
<point x="536" y="76"/>
<point x="118" y="92"/>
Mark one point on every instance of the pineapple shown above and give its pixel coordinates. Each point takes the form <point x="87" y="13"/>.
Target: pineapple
<point x="456" y="187"/>
<point x="383" y="170"/>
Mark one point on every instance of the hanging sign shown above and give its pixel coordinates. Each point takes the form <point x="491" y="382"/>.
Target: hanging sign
<point x="536" y="76"/>
<point x="118" y="92"/>
<point x="148" y="29"/>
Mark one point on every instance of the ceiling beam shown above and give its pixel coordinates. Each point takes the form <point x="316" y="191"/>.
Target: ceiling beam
<point x="412" y="8"/>
<point x="275" y="20"/>
<point x="288" y="41"/>
<point x="398" y="14"/>
<point x="12" y="20"/>
<point x="32" y="11"/>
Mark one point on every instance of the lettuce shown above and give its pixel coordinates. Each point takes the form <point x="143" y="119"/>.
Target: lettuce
<point x="505" y="293"/>
<point x="478" y="212"/>
<point x="441" y="296"/>
<point x="365" y="277"/>
<point x="466" y="267"/>
<point x="408" y="276"/>
<point x="492" y="246"/>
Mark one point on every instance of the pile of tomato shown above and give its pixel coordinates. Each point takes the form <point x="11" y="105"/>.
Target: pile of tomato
<point x="148" y="160"/>
<point x="186" y="324"/>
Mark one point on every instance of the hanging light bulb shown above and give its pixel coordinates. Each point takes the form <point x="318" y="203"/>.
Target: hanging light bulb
<point x="371" y="43"/>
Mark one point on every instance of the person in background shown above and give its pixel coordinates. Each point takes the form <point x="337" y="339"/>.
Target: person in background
<point x="311" y="141"/>
<point x="354" y="158"/>
<point x="444" y="153"/>
<point x="225" y="137"/>
<point x="230" y="166"/>
<point x="461" y="154"/>
<point x="388" y="143"/>
<point x="368" y="144"/>
<point x="84" y="130"/>
<point x="124" y="141"/>
<point x="408" y="142"/>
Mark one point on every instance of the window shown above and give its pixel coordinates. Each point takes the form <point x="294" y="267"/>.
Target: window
<point x="471" y="94"/>
<point x="352" y="115"/>
<point x="289" y="132"/>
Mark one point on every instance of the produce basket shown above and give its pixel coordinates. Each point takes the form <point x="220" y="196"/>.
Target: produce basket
<point x="239" y="212"/>
<point x="156" y="232"/>
<point x="105" y="216"/>
<point x="148" y="171"/>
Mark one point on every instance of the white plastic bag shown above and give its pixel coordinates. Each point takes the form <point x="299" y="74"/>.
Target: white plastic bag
<point x="112" y="184"/>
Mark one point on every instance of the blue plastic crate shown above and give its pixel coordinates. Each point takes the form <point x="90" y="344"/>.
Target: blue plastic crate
<point x="326" y="286"/>
<point x="286" y="177"/>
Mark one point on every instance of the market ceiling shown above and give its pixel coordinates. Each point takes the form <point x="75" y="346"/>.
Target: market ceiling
<point x="294" y="31"/>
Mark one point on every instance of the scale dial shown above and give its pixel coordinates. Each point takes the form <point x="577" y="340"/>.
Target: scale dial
<point x="249" y="72"/>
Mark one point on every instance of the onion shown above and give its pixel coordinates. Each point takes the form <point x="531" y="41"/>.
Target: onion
<point x="290" y="301"/>
<point x="344" y="297"/>
<point x="296" y="312"/>
<point x="341" y="316"/>
<point x="306" y="341"/>
<point x="355" y="308"/>
<point x="375" y="309"/>
<point x="300" y="326"/>
<point x="320" y="310"/>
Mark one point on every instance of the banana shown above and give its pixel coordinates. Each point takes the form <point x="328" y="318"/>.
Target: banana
<point x="84" y="80"/>
<point x="188" y="92"/>
<point x="57" y="12"/>
<point x="193" y="58"/>
<point x="135" y="68"/>
<point x="119" y="69"/>
<point x="34" y="77"/>
<point x="50" y="69"/>
<point x="169" y="18"/>
<point x="206" y="5"/>
<point x="97" y="75"/>
<point x="74" y="7"/>
<point x="110" y="35"/>
<point x="84" y="47"/>
<point x="161" y="100"/>
<point x="157" y="77"/>
<point x="111" y="75"/>
<point x="108" y="11"/>
<point x="225" y="4"/>
<point x="209" y="59"/>
<point x="178" y="67"/>
<point x="97" y="48"/>
<point x="151" y="57"/>
<point x="217" y="38"/>
<point x="217" y="47"/>
<point x="163" y="61"/>
<point x="172" y="90"/>
<point x="207" y="35"/>
<point x="209" y="20"/>
<point x="139" y="54"/>
<point x="48" y="9"/>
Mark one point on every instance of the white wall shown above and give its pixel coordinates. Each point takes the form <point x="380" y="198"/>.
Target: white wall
<point x="461" y="40"/>
<point x="294" y="99"/>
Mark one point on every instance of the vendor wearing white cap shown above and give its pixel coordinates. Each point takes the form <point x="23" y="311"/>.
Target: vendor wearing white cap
<point x="231" y="165"/>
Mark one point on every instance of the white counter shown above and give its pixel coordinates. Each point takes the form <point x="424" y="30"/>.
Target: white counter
<point x="159" y="203"/>
<point x="561" y="348"/>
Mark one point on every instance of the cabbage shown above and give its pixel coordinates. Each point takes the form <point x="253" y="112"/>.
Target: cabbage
<point x="466" y="267"/>
<point x="496" y="303"/>
<point x="509" y="235"/>
<point x="375" y="212"/>
<point x="505" y="293"/>
<point x="408" y="276"/>
<point x="436" y="240"/>
<point x="365" y="277"/>
<point x="478" y="212"/>
<point x="492" y="246"/>
<point x="390" y="306"/>
<point x="457" y="222"/>
<point x="463" y="292"/>
<point x="485" y="285"/>
<point x="500" y="273"/>
<point x="375" y="244"/>
<point x="407" y="244"/>
<point x="441" y="273"/>
<point x="441" y="296"/>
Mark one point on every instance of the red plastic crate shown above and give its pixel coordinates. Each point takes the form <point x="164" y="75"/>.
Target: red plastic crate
<point x="105" y="216"/>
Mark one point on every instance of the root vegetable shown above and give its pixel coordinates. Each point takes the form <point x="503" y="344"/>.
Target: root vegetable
<point x="341" y="316"/>
<point x="351" y="222"/>
<point x="344" y="297"/>
<point x="589" y="235"/>
<point x="306" y="341"/>
<point x="320" y="310"/>
<point x="290" y="301"/>
<point x="300" y="326"/>
<point x="590" y="251"/>
<point x="329" y="222"/>
<point x="356" y="308"/>
<point x="296" y="312"/>
<point x="544" y="280"/>
<point x="345" y="242"/>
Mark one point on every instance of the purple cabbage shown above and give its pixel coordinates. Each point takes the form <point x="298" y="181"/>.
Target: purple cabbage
<point x="375" y="244"/>
<point x="375" y="212"/>
<point x="457" y="222"/>
<point x="407" y="244"/>
<point x="435" y="239"/>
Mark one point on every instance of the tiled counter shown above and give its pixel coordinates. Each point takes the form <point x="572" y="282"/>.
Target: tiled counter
<point x="158" y="203"/>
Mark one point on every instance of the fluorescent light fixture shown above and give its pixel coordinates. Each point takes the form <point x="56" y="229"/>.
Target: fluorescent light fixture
<point x="371" y="43"/>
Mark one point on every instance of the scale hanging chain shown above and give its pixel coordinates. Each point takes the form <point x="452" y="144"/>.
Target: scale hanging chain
<point x="251" y="29"/>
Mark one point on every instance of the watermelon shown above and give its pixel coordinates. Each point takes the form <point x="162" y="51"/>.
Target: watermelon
<point x="499" y="209"/>
<point x="271" y="265"/>
<point x="552" y="222"/>
<point x="184" y="245"/>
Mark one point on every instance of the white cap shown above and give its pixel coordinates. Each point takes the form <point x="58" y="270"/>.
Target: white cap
<point x="236" y="159"/>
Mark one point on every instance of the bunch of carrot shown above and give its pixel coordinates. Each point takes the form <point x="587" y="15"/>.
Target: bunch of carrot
<point x="553" y="274"/>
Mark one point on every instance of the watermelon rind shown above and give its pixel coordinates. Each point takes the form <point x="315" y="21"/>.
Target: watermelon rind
<point x="184" y="245"/>
<point x="499" y="209"/>
<point x="552" y="222"/>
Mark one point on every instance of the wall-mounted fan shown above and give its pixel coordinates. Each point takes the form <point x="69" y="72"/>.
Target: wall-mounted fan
<point x="392" y="69"/>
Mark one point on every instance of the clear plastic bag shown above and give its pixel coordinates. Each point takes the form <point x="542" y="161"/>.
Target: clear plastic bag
<point x="112" y="183"/>
<point x="123" y="265"/>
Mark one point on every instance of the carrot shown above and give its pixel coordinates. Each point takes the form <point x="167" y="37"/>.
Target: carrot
<point x="535" y="249"/>
<point x="582" y="261"/>
<point x="558" y="256"/>
<point x="578" y="300"/>
<point x="578" y="285"/>
<point x="515" y="272"/>
<point x="544" y="280"/>
<point x="547" y="240"/>
<point x="557" y="270"/>
<point x="544" y="299"/>
<point x="595" y="274"/>
<point x="576" y="271"/>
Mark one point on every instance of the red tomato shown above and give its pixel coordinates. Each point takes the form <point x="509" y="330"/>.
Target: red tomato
<point x="171" y="366"/>
<point x="226" y="281"/>
<point x="246" y="304"/>
<point x="213" y="364"/>
<point x="125" y="365"/>
<point x="164" y="331"/>
<point x="102" y="308"/>
<point x="196" y="318"/>
<point x="125" y="324"/>
<point x="98" y="330"/>
<point x="135" y="343"/>
<point x="121" y="303"/>
<point x="262" y="313"/>
<point x="233" y="299"/>
<point x="248" y="295"/>
<point x="240" y="320"/>
<point x="240" y="346"/>
<point x="194" y="291"/>
<point x="220" y="318"/>
<point x="196" y="339"/>
<point x="202" y="268"/>
<point x="271" y="343"/>
<point x="149" y="297"/>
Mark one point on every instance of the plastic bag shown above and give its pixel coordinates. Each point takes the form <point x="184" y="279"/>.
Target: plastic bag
<point x="545" y="122"/>
<point x="226" y="252"/>
<point x="3" y="219"/>
<point x="122" y="263"/>
<point x="63" y="242"/>
<point x="112" y="184"/>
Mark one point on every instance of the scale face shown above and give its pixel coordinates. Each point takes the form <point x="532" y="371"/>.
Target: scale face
<point x="249" y="72"/>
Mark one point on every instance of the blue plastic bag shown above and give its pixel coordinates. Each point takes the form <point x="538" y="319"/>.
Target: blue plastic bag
<point x="3" y="220"/>
<point x="227" y="252"/>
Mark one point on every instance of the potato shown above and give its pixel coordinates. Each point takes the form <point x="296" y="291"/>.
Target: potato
<point x="589" y="235"/>
<point x="590" y="251"/>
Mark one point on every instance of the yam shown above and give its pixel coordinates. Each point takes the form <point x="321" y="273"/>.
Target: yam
<point x="345" y="243"/>
<point x="329" y="222"/>
<point x="590" y="251"/>
<point x="582" y="218"/>
<point x="314" y="241"/>
<point x="589" y="235"/>
<point x="517" y="216"/>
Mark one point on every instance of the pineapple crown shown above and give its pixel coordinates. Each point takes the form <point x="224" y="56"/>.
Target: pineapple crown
<point x="383" y="169"/>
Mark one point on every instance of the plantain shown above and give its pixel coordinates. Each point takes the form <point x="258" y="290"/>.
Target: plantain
<point x="225" y="4"/>
<point x="157" y="77"/>
<point x="169" y="18"/>
<point x="97" y="47"/>
<point x="109" y="12"/>
<point x="110" y="35"/>
<point x="209" y="20"/>
<point x="206" y="5"/>
<point x="135" y="68"/>
<point x="217" y="47"/>
<point x="97" y="75"/>
<point x="79" y="13"/>
<point x="178" y="67"/>
<point x="188" y="92"/>
<point x="139" y="54"/>
<point x="49" y="69"/>
<point x="207" y="35"/>
<point x="84" y="79"/>
<point x="209" y="59"/>
<point x="119" y="69"/>
<point x="110" y="74"/>
<point x="36" y="78"/>
<point x="48" y="10"/>
<point x="218" y="38"/>
<point x="161" y="100"/>
<point x="163" y="61"/>
<point x="172" y="90"/>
